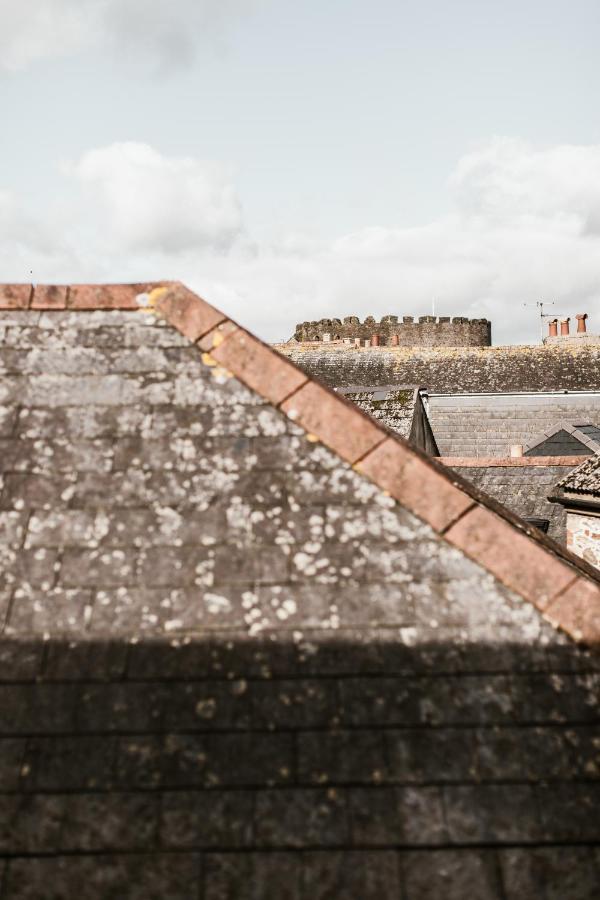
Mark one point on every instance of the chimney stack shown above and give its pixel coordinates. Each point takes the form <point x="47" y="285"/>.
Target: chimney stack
<point x="553" y="328"/>
<point x="564" y="326"/>
<point x="581" y="317"/>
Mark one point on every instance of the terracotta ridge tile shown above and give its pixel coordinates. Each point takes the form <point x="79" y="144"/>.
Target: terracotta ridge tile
<point x="485" y="462"/>
<point x="15" y="296"/>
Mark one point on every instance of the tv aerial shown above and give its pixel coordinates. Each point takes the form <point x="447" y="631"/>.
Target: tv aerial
<point x="540" y="304"/>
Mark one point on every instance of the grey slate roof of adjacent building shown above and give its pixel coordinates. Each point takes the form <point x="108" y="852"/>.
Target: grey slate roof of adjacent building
<point x="565" y="439"/>
<point x="400" y="408"/>
<point x="233" y="666"/>
<point x="524" y="490"/>
<point x="471" y="425"/>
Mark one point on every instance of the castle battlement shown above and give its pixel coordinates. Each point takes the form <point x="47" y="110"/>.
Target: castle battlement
<point x="425" y="331"/>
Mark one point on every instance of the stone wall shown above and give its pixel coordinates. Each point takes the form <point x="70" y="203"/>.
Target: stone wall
<point x="583" y="536"/>
<point x="427" y="331"/>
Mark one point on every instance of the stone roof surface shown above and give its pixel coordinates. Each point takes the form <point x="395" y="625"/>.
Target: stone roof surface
<point x="448" y="370"/>
<point x="489" y="424"/>
<point x="256" y="647"/>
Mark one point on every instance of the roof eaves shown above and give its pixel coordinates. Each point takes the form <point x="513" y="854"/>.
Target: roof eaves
<point x="528" y="562"/>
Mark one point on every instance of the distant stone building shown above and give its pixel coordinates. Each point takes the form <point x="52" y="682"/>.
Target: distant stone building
<point x="426" y="331"/>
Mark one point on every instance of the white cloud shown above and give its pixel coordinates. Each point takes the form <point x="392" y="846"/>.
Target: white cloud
<point x="148" y="202"/>
<point x="524" y="227"/>
<point x="165" y="31"/>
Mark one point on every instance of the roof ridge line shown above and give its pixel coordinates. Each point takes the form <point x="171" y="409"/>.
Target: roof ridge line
<point x="529" y="563"/>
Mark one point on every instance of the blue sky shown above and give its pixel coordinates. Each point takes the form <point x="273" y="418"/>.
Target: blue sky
<point x="292" y="160"/>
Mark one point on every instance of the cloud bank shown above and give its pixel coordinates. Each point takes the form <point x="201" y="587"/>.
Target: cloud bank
<point x="525" y="225"/>
<point x="164" y="31"/>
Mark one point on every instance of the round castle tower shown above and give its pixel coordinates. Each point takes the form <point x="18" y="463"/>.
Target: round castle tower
<point x="426" y="331"/>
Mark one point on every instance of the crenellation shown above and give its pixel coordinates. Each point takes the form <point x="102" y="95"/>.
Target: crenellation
<point x="425" y="331"/>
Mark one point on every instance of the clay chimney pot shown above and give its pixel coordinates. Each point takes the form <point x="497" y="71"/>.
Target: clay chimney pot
<point x="564" y="326"/>
<point x="395" y="340"/>
<point x="553" y="328"/>
<point x="581" y="317"/>
<point x="375" y="340"/>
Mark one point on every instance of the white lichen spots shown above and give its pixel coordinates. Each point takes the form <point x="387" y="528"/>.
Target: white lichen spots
<point x="239" y="687"/>
<point x="409" y="636"/>
<point x="206" y="709"/>
<point x="173" y="624"/>
<point x="216" y="603"/>
<point x="288" y="608"/>
<point x="249" y="600"/>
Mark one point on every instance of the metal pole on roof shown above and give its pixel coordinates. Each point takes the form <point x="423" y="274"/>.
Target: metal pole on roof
<point x="540" y="305"/>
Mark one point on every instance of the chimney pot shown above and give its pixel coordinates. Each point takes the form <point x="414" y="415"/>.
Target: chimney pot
<point x="374" y="340"/>
<point x="564" y="325"/>
<point x="395" y="340"/>
<point x="357" y="342"/>
<point x="553" y="328"/>
<point x="516" y="450"/>
<point x="581" y="317"/>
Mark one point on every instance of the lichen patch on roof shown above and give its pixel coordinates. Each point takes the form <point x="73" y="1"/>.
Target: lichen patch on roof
<point x="585" y="479"/>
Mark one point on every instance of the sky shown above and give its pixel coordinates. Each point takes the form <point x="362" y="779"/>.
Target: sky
<point x="293" y="161"/>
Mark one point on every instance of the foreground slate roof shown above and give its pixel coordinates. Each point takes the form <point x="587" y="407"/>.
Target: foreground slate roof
<point x="255" y="646"/>
<point x="451" y="370"/>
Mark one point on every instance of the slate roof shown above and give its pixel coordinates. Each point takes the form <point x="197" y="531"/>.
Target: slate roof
<point x="399" y="408"/>
<point x="524" y="489"/>
<point x="585" y="479"/>
<point x="565" y="439"/>
<point x="253" y="642"/>
<point x="452" y="370"/>
<point x="489" y="424"/>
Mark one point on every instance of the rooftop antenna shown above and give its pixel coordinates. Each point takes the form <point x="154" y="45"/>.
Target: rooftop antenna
<point x="540" y="305"/>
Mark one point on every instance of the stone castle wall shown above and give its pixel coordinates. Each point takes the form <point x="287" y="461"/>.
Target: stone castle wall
<point x="426" y="331"/>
